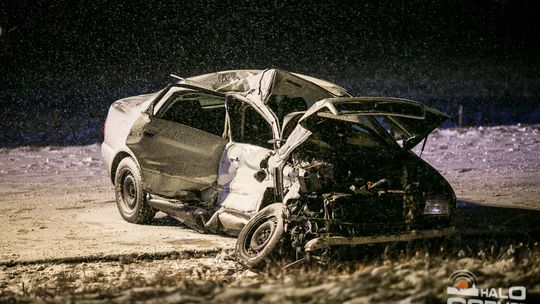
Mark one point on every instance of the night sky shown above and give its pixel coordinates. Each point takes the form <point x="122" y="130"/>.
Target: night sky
<point x="63" y="63"/>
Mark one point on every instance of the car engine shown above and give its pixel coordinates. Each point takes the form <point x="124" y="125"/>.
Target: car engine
<point x="348" y="199"/>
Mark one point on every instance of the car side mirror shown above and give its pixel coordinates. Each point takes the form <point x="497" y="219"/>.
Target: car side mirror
<point x="260" y="175"/>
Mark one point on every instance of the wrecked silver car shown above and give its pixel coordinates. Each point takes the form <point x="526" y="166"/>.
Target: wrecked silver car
<point x="277" y="157"/>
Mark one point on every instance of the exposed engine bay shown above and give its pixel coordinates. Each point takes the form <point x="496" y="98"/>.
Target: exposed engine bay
<point x="350" y="193"/>
<point x="348" y="204"/>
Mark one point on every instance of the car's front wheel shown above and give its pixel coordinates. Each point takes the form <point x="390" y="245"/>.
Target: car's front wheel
<point x="260" y="236"/>
<point x="130" y="198"/>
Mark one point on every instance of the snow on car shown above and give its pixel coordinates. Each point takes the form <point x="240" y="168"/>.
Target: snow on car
<point x="277" y="157"/>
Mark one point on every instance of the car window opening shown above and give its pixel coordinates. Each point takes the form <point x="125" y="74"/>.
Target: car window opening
<point x="199" y="111"/>
<point x="255" y="129"/>
<point x="282" y="105"/>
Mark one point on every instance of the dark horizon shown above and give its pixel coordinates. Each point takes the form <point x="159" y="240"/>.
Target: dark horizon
<point x="63" y="63"/>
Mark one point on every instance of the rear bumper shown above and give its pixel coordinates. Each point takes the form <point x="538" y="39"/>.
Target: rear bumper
<point x="327" y="241"/>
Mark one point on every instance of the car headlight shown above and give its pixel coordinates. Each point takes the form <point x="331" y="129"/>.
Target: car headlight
<point x="437" y="206"/>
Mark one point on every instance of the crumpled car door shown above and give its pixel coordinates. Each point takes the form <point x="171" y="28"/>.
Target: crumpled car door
<point x="239" y="192"/>
<point x="175" y="159"/>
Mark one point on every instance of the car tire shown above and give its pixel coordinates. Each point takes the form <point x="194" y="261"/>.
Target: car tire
<point x="130" y="198"/>
<point x="260" y="236"/>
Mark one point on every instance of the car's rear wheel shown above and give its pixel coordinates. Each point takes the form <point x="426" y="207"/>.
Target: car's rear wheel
<point x="260" y="236"/>
<point x="130" y="198"/>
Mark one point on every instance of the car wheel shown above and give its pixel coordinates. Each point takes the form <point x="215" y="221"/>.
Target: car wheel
<point x="130" y="198"/>
<point x="260" y="236"/>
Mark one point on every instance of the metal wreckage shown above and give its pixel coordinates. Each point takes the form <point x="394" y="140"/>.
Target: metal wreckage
<point x="277" y="158"/>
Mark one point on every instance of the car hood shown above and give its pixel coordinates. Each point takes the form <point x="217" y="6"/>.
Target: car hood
<point x="410" y="120"/>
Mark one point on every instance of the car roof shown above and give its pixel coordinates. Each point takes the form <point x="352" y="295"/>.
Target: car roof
<point x="227" y="79"/>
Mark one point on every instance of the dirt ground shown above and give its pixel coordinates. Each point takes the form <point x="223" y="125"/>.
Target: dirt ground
<point x="62" y="239"/>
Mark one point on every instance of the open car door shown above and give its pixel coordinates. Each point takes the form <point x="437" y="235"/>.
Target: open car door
<point x="240" y="193"/>
<point x="179" y="145"/>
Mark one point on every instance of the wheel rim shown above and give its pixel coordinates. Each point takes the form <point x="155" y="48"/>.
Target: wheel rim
<point x="260" y="237"/>
<point x="128" y="192"/>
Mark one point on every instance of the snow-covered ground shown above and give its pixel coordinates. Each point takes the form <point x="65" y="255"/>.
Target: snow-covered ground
<point x="497" y="166"/>
<point x="58" y="202"/>
<point x="58" y="213"/>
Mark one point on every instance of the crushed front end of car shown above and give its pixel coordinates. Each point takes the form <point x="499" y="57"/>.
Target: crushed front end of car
<point x="349" y="178"/>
